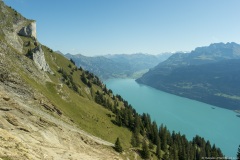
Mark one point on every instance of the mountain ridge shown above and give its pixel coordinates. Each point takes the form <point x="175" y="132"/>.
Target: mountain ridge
<point x="213" y="59"/>
<point x="118" y="65"/>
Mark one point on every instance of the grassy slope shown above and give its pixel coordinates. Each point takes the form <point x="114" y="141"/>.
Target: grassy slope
<point x="88" y="115"/>
<point x="81" y="108"/>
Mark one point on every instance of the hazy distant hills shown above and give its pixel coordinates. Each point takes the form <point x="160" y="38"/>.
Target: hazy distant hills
<point x="209" y="74"/>
<point x="118" y="65"/>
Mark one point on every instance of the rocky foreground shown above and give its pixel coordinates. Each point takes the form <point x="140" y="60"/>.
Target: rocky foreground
<point x="30" y="128"/>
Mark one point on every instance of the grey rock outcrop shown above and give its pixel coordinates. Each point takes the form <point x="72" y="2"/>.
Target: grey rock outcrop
<point x="29" y="31"/>
<point x="39" y="59"/>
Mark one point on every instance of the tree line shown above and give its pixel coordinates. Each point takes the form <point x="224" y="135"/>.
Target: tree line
<point x="146" y="134"/>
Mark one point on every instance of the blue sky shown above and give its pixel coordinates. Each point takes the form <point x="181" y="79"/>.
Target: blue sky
<point x="94" y="27"/>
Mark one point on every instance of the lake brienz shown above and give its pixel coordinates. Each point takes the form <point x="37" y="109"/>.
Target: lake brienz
<point x="220" y="126"/>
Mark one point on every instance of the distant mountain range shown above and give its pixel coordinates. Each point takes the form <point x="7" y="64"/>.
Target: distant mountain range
<point x="209" y="74"/>
<point x="118" y="65"/>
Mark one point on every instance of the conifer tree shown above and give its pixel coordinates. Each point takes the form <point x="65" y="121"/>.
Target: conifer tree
<point x="238" y="153"/>
<point x="174" y="152"/>
<point x="163" y="137"/>
<point x="151" y="146"/>
<point x="154" y="132"/>
<point x="135" y="141"/>
<point x="145" y="150"/>
<point x="158" y="149"/>
<point x="137" y="127"/>
<point x="29" y="53"/>
<point x="118" y="119"/>
<point x="72" y="61"/>
<point x="165" y="156"/>
<point x="118" y="146"/>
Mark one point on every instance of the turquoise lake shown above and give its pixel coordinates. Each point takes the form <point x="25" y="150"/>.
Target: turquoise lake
<point x="220" y="126"/>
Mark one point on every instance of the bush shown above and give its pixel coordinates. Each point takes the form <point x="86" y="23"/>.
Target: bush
<point x="29" y="54"/>
<point x="72" y="61"/>
<point x="118" y="146"/>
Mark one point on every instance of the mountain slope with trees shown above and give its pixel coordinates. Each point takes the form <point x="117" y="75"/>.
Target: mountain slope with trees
<point x="67" y="112"/>
<point x="208" y="74"/>
<point x="119" y="65"/>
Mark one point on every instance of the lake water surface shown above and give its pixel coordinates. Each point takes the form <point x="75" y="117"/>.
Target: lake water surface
<point x="220" y="126"/>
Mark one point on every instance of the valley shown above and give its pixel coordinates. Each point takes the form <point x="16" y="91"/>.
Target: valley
<point x="53" y="107"/>
<point x="118" y="65"/>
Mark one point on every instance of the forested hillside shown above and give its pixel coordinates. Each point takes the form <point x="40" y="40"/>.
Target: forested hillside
<point x="119" y="65"/>
<point x="208" y="74"/>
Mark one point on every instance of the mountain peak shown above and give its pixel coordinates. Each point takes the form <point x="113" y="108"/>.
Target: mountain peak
<point x="221" y="44"/>
<point x="218" y="46"/>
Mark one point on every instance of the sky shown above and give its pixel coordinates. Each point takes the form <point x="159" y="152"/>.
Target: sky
<point x="98" y="27"/>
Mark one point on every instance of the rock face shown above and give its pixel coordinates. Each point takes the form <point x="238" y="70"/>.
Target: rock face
<point x="29" y="31"/>
<point x="10" y="26"/>
<point x="38" y="54"/>
<point x="39" y="59"/>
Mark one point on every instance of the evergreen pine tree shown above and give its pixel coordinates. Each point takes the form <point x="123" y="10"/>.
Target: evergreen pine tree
<point x="118" y="119"/>
<point x="137" y="127"/>
<point x="154" y="132"/>
<point x="238" y="153"/>
<point x="118" y="146"/>
<point x="174" y="152"/>
<point x="151" y="146"/>
<point x="214" y="151"/>
<point x="145" y="150"/>
<point x="165" y="156"/>
<point x="29" y="54"/>
<point x="163" y="137"/>
<point x="133" y="140"/>
<point x="158" y="149"/>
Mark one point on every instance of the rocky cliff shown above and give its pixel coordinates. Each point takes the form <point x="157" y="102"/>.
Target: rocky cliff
<point x="13" y="26"/>
<point x="39" y="59"/>
<point x="29" y="30"/>
<point x="10" y="24"/>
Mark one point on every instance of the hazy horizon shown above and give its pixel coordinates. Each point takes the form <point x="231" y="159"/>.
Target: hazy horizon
<point x="140" y="52"/>
<point x="123" y="53"/>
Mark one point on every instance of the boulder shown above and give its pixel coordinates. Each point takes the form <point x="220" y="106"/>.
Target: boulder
<point x="29" y="30"/>
<point x="6" y="98"/>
